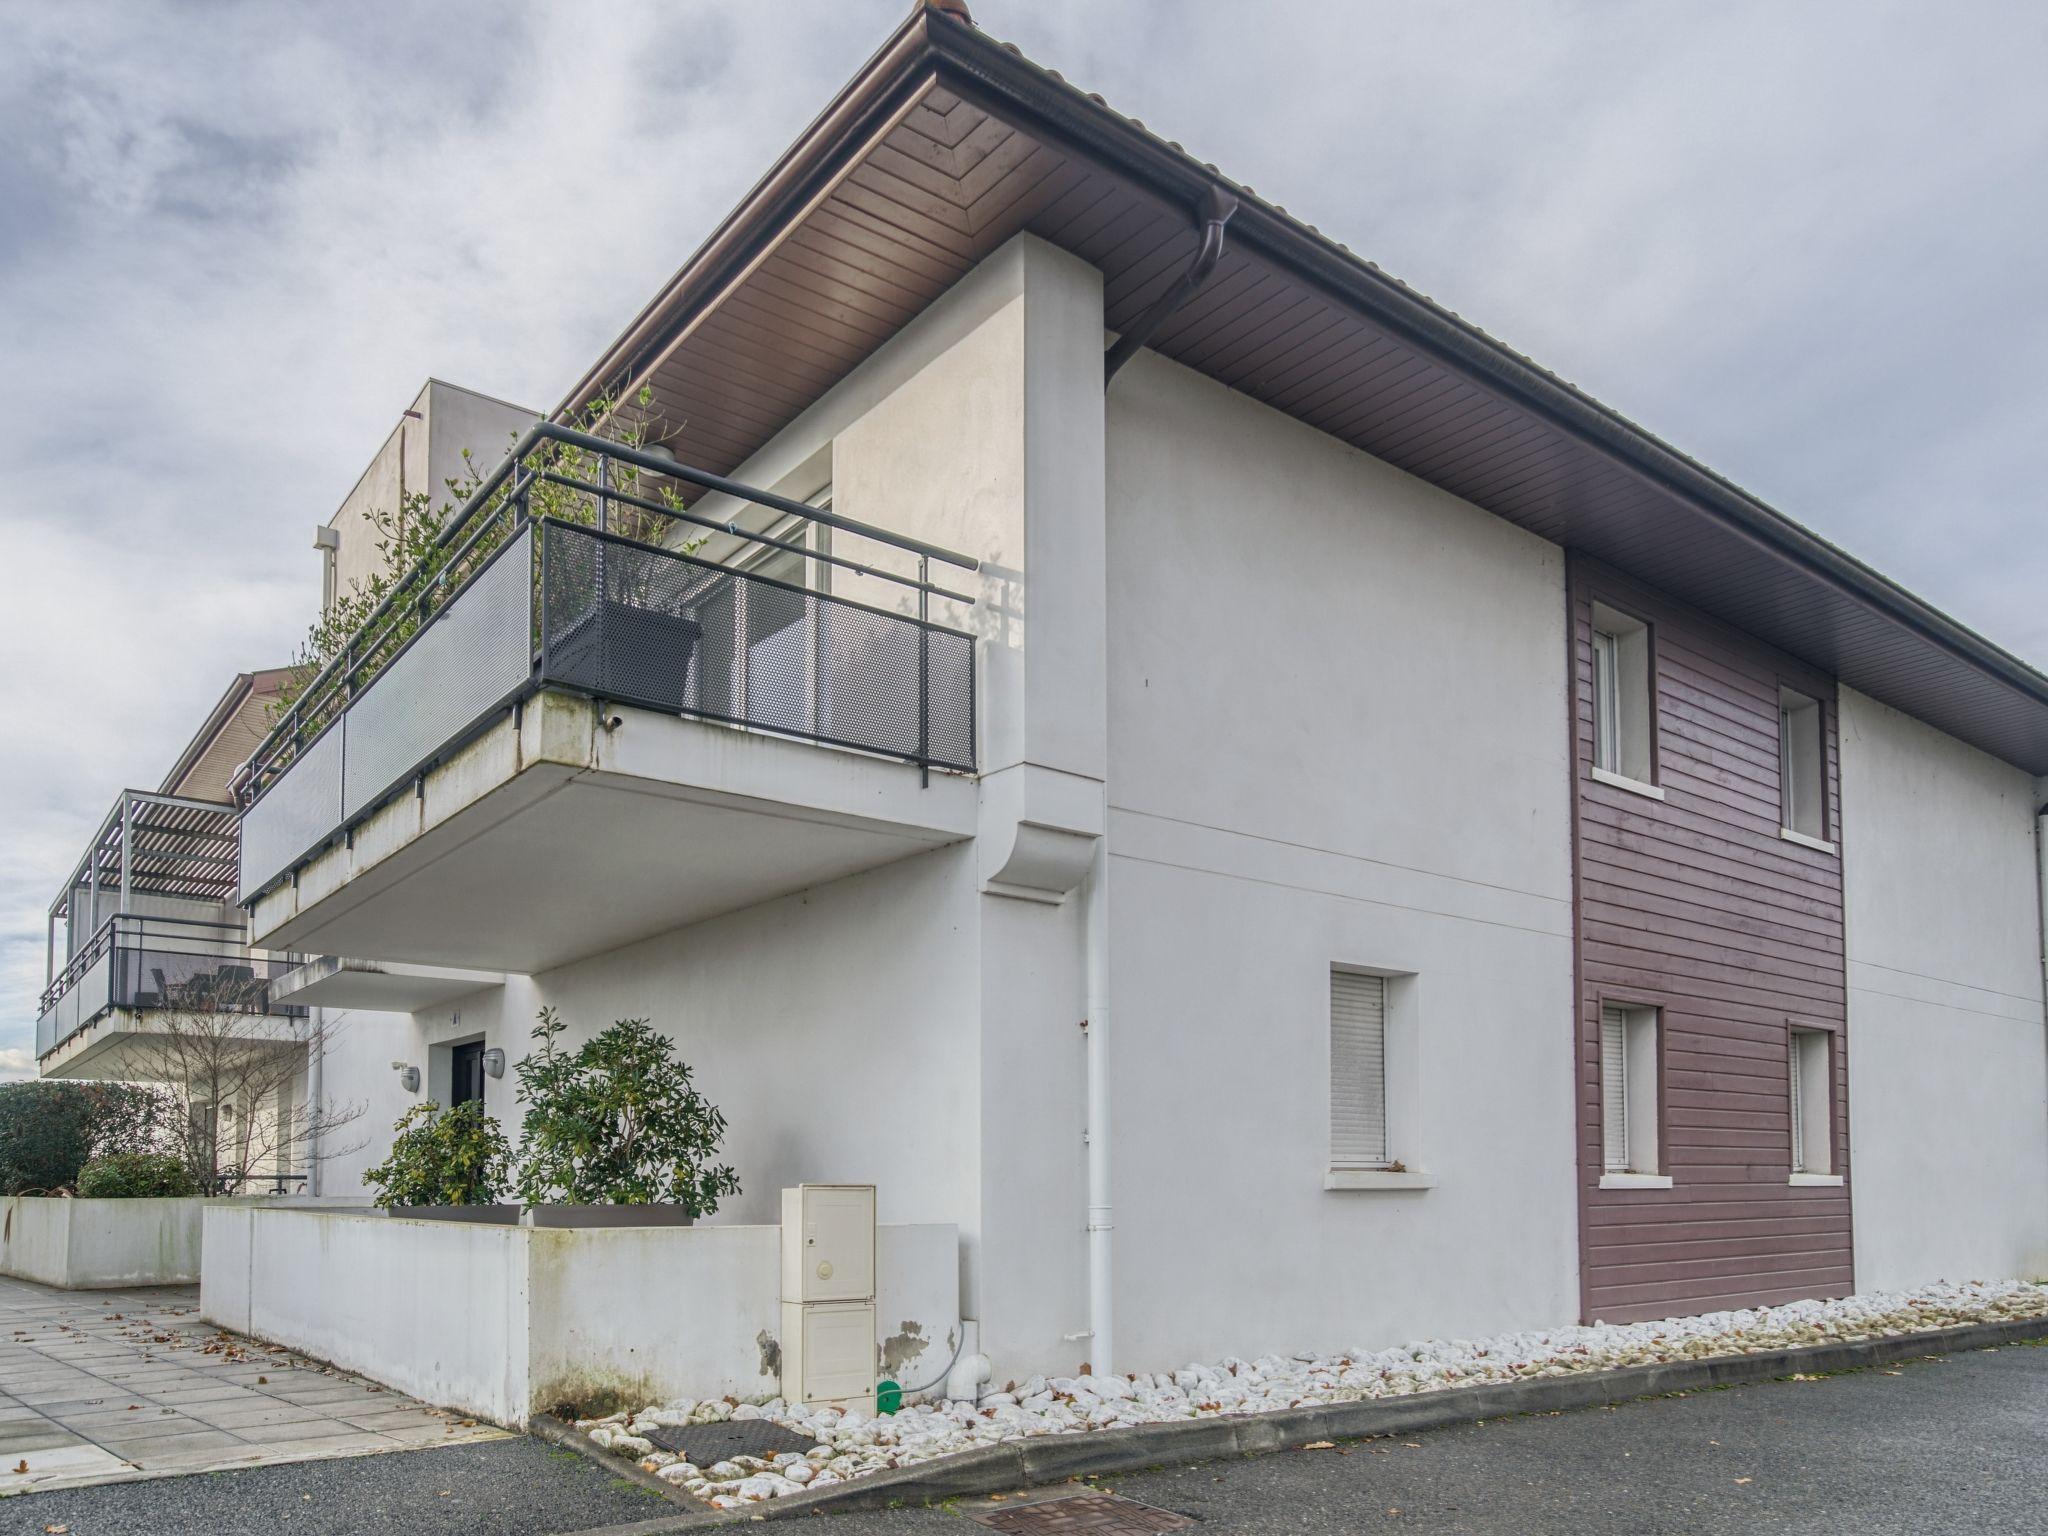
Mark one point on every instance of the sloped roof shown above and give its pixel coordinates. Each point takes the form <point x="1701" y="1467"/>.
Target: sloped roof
<point x="948" y="143"/>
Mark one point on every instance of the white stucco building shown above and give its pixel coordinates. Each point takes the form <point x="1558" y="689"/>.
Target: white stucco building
<point x="1316" y="834"/>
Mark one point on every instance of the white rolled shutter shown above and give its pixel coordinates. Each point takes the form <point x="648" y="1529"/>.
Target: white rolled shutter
<point x="1614" y="1088"/>
<point x="1358" y="1070"/>
<point x="1798" y="1113"/>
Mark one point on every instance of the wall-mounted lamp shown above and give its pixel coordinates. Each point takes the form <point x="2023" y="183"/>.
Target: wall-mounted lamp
<point x="494" y="1062"/>
<point x="408" y="1076"/>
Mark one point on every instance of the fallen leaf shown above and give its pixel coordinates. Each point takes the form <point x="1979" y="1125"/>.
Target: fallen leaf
<point x="262" y="1381"/>
<point x="21" y="1466"/>
<point x="1320" y="1445"/>
<point x="1741" y="1480"/>
<point x="1411" y="1445"/>
<point x="55" y="1530"/>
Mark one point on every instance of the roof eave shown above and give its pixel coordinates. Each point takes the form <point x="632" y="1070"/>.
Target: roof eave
<point x="975" y="65"/>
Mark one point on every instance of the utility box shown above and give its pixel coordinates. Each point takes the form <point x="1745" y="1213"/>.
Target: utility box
<point x="828" y="1352"/>
<point x="828" y="1242"/>
<point x="828" y="1293"/>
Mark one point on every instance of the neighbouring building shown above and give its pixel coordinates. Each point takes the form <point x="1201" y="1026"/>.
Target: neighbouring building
<point x="1161" y="746"/>
<point x="151" y="971"/>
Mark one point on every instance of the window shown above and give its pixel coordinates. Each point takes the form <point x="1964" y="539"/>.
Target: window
<point x="1802" y="778"/>
<point x="1628" y="1089"/>
<point x="1808" y="1066"/>
<point x="1358" y="1070"/>
<point x="1622" y="695"/>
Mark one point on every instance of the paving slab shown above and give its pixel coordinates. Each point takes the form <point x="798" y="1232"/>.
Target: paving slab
<point x="121" y="1385"/>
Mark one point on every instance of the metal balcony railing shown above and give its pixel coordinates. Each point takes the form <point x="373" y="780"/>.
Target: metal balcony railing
<point x="173" y="964"/>
<point x="533" y="584"/>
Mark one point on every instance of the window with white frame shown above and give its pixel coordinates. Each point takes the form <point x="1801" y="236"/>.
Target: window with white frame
<point x="1802" y="774"/>
<point x="1808" y="1063"/>
<point x="1358" y="1070"/>
<point x="1623" y="697"/>
<point x="1628" y="1089"/>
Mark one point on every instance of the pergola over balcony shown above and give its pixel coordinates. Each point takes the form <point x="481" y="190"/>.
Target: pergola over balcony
<point x="146" y="925"/>
<point x="466" y="750"/>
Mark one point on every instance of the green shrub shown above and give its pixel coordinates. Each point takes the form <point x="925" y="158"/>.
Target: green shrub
<point x="49" y="1131"/>
<point x="136" y="1176"/>
<point x="443" y="1157"/>
<point x="617" y="1123"/>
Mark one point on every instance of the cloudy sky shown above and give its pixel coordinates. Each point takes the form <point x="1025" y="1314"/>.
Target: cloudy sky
<point x="1805" y="243"/>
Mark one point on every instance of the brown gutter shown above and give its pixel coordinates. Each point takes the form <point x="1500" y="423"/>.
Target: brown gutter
<point x="1001" y="80"/>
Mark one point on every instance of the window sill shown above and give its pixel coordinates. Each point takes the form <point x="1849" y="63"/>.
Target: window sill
<point x="1635" y="1181"/>
<point x="1818" y="845"/>
<point x="1377" y="1178"/>
<point x="1622" y="781"/>
<point x="1815" y="1181"/>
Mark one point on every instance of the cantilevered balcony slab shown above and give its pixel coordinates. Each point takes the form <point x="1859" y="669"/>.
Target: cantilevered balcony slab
<point x="573" y="828"/>
<point x="380" y="986"/>
<point x="141" y="1044"/>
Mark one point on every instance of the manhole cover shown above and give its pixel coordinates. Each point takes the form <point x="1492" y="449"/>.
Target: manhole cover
<point x="1085" y="1514"/>
<point x="704" y="1444"/>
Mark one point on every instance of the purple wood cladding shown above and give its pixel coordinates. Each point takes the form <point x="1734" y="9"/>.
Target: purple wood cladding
<point x="1694" y="905"/>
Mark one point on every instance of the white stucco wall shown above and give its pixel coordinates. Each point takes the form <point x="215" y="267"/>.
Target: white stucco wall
<point x="423" y="453"/>
<point x="357" y="1080"/>
<point x="1337" y="736"/>
<point x="100" y="1244"/>
<point x="1948" y="1067"/>
<point x="834" y="1029"/>
<point x="502" y="1320"/>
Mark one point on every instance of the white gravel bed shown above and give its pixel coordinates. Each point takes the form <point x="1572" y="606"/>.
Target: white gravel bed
<point x="856" y="1444"/>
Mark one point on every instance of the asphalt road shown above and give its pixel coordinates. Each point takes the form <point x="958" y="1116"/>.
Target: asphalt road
<point x="1953" y="1445"/>
<point x="514" y="1487"/>
<point x="1923" y="1449"/>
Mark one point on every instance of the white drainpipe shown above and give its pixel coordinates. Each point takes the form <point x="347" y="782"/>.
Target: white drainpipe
<point x="1101" y="1293"/>
<point x="318" y="1019"/>
<point x="2041" y="869"/>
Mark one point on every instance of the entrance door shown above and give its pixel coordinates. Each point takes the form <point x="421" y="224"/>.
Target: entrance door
<point x="466" y="1076"/>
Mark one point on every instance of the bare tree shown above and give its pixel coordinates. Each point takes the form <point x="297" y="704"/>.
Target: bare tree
<point x="239" y="1075"/>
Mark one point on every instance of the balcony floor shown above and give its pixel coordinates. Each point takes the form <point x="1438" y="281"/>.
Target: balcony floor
<point x="557" y="838"/>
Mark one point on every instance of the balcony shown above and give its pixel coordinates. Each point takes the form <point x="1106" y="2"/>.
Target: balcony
<point x="564" y="738"/>
<point x="148" y="936"/>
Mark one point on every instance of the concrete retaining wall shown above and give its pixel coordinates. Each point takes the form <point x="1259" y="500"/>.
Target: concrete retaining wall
<point x="503" y="1321"/>
<point x="100" y="1244"/>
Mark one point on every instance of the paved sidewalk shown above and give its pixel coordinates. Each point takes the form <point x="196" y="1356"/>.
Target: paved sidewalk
<point x="102" y="1386"/>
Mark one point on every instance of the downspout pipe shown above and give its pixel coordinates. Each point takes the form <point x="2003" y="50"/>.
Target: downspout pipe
<point x="2041" y="870"/>
<point x="1214" y="214"/>
<point x="315" y="1085"/>
<point x="1101" y="1290"/>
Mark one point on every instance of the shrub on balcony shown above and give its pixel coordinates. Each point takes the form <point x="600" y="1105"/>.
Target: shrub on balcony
<point x="617" y="1122"/>
<point x="409" y="547"/>
<point x="442" y="1156"/>
<point x="49" y="1131"/>
<point x="137" y="1176"/>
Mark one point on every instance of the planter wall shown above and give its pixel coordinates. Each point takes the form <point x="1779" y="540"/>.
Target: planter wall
<point x="505" y="1321"/>
<point x="100" y="1244"/>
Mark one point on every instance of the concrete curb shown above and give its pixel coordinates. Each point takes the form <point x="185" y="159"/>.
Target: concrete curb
<point x="1057" y="1458"/>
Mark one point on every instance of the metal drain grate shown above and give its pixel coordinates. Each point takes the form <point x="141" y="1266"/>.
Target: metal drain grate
<point x="704" y="1444"/>
<point x="1083" y="1514"/>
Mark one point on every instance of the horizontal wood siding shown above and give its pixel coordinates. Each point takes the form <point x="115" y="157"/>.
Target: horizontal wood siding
<point x="1694" y="905"/>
